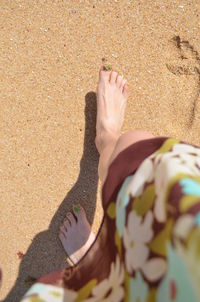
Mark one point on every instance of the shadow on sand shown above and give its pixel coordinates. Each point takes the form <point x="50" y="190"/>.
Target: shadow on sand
<point x="45" y="254"/>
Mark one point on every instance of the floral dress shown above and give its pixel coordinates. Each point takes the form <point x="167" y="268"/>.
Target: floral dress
<point x="148" y="246"/>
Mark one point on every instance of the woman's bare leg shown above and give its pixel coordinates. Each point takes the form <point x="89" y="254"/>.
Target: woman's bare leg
<point x="110" y="152"/>
<point x="112" y="92"/>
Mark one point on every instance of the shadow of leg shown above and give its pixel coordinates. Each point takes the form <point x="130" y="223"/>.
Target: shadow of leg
<point x="45" y="254"/>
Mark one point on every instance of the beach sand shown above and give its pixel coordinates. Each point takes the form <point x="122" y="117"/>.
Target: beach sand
<point x="51" y="52"/>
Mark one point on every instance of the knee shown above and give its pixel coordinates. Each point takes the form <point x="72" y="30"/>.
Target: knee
<point x="129" y="138"/>
<point x="134" y="136"/>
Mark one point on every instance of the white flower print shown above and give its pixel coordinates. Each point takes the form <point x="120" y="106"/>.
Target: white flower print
<point x="144" y="174"/>
<point x="135" y="238"/>
<point x="154" y="269"/>
<point x="50" y="293"/>
<point x="165" y="166"/>
<point x="183" y="226"/>
<point x="121" y="204"/>
<point x="189" y="155"/>
<point x="111" y="289"/>
<point x="168" y="167"/>
<point x="184" y="148"/>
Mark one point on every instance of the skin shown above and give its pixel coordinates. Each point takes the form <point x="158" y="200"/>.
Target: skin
<point x="112" y="93"/>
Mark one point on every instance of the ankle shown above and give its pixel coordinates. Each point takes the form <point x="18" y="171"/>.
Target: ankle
<point x="105" y="139"/>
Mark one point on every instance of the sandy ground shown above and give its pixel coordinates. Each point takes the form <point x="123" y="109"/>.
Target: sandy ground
<point x="50" y="55"/>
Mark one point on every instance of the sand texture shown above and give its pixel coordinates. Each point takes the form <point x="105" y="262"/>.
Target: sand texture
<point x="50" y="55"/>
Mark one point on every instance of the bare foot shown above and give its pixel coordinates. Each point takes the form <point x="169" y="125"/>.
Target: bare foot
<point x="112" y="93"/>
<point x="76" y="235"/>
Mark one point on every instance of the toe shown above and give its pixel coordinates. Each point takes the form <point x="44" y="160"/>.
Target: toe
<point x="123" y="83"/>
<point x="125" y="90"/>
<point x="67" y="224"/>
<point x="103" y="74"/>
<point x="71" y="218"/>
<point x="63" y="231"/>
<point x="79" y="211"/>
<point x="119" y="80"/>
<point x="113" y="77"/>
<point x="62" y="237"/>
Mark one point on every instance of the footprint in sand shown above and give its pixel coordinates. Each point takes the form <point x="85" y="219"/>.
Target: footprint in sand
<point x="186" y="62"/>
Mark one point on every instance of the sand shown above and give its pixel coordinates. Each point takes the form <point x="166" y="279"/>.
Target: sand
<point x="51" y="52"/>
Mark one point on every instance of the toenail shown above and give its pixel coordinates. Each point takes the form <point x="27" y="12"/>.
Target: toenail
<point x="107" y="67"/>
<point x="77" y="209"/>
